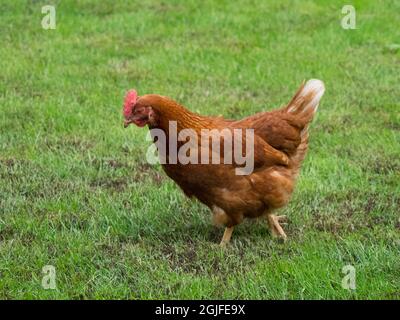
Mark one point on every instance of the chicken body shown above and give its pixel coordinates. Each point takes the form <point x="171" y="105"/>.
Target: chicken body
<point x="280" y="144"/>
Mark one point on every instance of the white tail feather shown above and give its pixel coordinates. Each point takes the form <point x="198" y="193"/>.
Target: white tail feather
<point x="308" y="97"/>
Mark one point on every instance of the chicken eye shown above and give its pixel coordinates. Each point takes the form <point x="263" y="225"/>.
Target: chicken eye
<point x="136" y="110"/>
<point x="140" y="110"/>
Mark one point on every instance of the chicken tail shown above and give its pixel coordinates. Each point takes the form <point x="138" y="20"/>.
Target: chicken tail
<point x="304" y="105"/>
<point x="306" y="100"/>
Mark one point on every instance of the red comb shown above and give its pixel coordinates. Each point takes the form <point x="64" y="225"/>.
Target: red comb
<point x="129" y="102"/>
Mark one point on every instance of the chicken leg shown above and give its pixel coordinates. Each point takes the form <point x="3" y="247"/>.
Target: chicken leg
<point x="226" y="237"/>
<point x="275" y="227"/>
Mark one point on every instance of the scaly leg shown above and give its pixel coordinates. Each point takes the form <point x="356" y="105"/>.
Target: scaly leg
<point x="275" y="227"/>
<point x="226" y="237"/>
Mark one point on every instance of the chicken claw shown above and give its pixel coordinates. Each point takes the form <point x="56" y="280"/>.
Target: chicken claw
<point x="226" y="237"/>
<point x="275" y="227"/>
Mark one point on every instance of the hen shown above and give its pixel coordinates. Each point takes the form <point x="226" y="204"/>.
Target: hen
<point x="277" y="148"/>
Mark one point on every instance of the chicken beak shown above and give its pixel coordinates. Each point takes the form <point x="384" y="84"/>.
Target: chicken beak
<point x="127" y="123"/>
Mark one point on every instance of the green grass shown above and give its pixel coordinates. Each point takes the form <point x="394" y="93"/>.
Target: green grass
<point x="76" y="192"/>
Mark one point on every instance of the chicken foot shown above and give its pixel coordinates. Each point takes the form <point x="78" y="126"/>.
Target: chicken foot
<point x="275" y="227"/>
<point x="226" y="237"/>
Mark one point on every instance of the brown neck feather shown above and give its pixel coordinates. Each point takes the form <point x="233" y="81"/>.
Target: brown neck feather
<point x="169" y="110"/>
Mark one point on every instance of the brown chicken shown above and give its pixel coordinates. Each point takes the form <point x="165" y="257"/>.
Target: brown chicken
<point x="276" y="149"/>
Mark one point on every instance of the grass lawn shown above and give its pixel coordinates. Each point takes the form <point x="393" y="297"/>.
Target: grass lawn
<point x="76" y="191"/>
